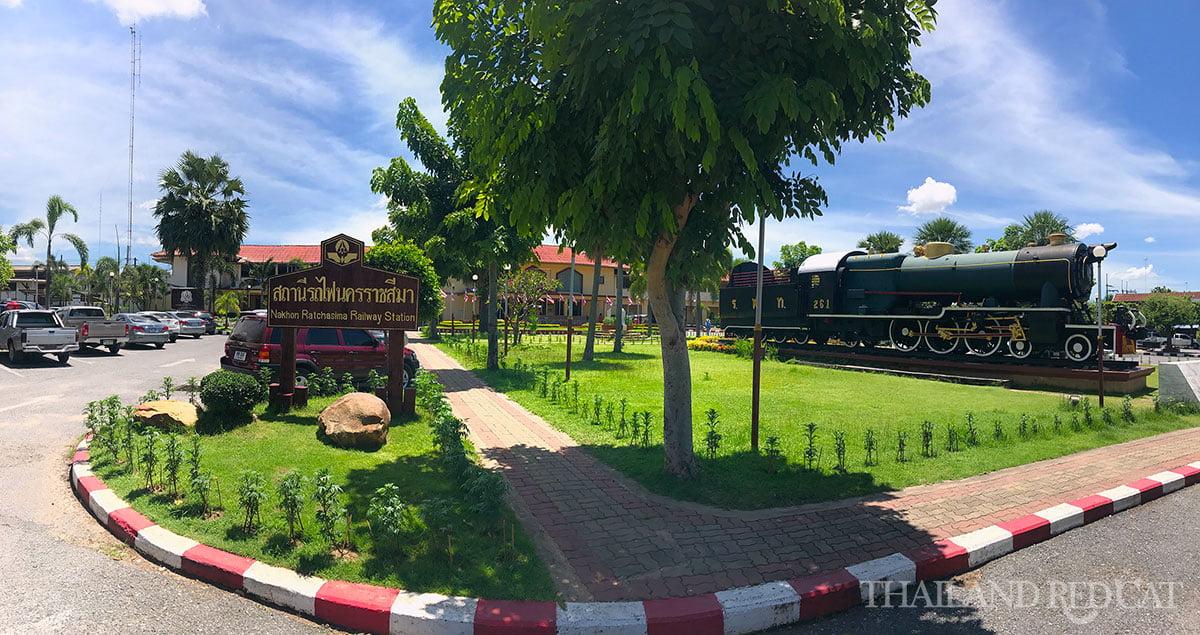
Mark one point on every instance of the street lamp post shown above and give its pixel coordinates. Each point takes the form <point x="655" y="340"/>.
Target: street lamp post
<point x="474" y="313"/>
<point x="36" y="293"/>
<point x="111" y="286"/>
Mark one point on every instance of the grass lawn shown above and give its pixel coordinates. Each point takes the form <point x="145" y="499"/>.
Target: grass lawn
<point x="793" y="396"/>
<point x="492" y="557"/>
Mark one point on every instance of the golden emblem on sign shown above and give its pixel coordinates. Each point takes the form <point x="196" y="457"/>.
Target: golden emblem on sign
<point x="341" y="254"/>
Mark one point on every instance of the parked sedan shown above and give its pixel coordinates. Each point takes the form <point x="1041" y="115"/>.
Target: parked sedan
<point x="189" y="324"/>
<point x="210" y="322"/>
<point x="165" y="318"/>
<point x="144" y="329"/>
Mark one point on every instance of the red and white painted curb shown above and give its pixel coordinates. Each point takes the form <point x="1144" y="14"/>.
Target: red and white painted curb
<point x="364" y="607"/>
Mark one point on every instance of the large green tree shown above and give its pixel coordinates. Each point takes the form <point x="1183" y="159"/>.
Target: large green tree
<point x="1165" y="311"/>
<point x="944" y="230"/>
<point x="148" y="282"/>
<point x="882" y="242"/>
<point x="405" y="257"/>
<point x="202" y="212"/>
<point x="56" y="209"/>
<point x="794" y="255"/>
<point x="7" y="245"/>
<point x="431" y="209"/>
<point x="656" y="128"/>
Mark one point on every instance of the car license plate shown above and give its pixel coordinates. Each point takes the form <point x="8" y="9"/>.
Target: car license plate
<point x="239" y="356"/>
<point x="107" y="342"/>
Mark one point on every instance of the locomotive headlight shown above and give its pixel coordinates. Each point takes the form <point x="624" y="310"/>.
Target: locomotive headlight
<point x="1099" y="252"/>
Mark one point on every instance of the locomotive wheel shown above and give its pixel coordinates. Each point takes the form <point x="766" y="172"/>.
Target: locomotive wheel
<point x="800" y="337"/>
<point x="938" y="344"/>
<point x="904" y="335"/>
<point x="983" y="346"/>
<point x="1020" y="348"/>
<point x="850" y="341"/>
<point x="1079" y="347"/>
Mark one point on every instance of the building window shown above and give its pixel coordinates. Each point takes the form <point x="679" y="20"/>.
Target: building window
<point x="564" y="279"/>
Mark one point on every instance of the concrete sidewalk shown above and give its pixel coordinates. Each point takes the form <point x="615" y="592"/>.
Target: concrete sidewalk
<point x="606" y="538"/>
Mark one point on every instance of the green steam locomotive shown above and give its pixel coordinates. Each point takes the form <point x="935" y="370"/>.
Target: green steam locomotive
<point x="1032" y="301"/>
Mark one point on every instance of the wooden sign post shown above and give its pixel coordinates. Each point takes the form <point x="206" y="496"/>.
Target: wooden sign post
<point x="343" y="293"/>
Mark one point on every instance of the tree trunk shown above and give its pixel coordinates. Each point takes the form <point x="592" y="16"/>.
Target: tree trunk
<point x="619" y="333"/>
<point x="589" y="349"/>
<point x="666" y="300"/>
<point x="493" y="356"/>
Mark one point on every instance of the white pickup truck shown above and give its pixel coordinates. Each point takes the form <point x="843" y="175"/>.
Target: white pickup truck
<point x="28" y="331"/>
<point x="95" y="329"/>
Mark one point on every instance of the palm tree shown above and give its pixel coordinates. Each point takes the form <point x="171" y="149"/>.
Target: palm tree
<point x="150" y="282"/>
<point x="202" y="214"/>
<point x="260" y="271"/>
<point x="56" y="208"/>
<point x="105" y="273"/>
<point x="944" y="230"/>
<point x="881" y="242"/>
<point x="1037" y="227"/>
<point x="229" y="302"/>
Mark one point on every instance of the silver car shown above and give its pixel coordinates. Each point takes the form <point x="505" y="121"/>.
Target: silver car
<point x="144" y="329"/>
<point x="165" y="318"/>
<point x="189" y="324"/>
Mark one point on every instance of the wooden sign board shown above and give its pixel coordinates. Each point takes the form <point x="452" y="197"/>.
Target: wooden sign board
<point x="343" y="293"/>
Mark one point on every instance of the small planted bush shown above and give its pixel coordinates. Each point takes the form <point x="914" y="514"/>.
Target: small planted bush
<point x="327" y="495"/>
<point x="811" y="456"/>
<point x="839" y="448"/>
<point x="227" y="392"/>
<point x="927" y="450"/>
<point x="774" y="454"/>
<point x="870" y="448"/>
<point x="291" y="501"/>
<point x="172" y="461"/>
<point x="1127" y="413"/>
<point x="252" y="491"/>
<point x="712" y="438"/>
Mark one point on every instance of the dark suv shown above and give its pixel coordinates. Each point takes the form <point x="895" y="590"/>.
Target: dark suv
<point x="253" y="345"/>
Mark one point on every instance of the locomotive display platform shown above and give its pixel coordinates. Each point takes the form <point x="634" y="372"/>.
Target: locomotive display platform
<point x="1119" y="377"/>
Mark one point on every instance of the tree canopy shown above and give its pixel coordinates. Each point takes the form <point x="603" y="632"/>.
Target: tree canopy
<point x="793" y="255"/>
<point x="202" y="213"/>
<point x="6" y="270"/>
<point x="404" y="257"/>
<point x="1164" y="312"/>
<point x="1033" y="229"/>
<point x="656" y="128"/>
<point x="881" y="242"/>
<point x="944" y="230"/>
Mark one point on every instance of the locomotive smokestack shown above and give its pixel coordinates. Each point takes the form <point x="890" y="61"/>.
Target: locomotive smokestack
<point x="1057" y="238"/>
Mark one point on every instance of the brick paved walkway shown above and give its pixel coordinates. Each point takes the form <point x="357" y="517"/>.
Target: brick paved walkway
<point x="607" y="538"/>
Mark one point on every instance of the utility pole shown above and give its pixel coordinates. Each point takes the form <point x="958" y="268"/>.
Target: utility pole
<point x="134" y="63"/>
<point x="756" y="382"/>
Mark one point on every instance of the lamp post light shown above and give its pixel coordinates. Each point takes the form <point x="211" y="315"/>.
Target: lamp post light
<point x="507" y="282"/>
<point x="474" y="314"/>
<point x="111" y="286"/>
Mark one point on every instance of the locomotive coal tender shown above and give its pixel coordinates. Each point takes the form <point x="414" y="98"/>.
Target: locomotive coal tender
<point x="1031" y="301"/>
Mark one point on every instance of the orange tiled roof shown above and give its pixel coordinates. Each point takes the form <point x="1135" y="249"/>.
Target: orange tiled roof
<point x="549" y="255"/>
<point x="1142" y="297"/>
<point x="260" y="253"/>
<point x="545" y="254"/>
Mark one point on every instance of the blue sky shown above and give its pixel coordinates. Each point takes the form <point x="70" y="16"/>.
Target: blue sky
<point x="1081" y="107"/>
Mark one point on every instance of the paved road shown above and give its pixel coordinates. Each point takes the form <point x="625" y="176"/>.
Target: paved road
<point x="1148" y="554"/>
<point x="59" y="570"/>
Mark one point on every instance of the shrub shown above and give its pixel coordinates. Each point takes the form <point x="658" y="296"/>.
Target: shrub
<point x="712" y="438"/>
<point x="228" y="392"/>
<point x="252" y="491"/>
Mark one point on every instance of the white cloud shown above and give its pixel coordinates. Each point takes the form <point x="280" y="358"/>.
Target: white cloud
<point x="131" y="11"/>
<point x="1134" y="275"/>
<point x="1015" y="124"/>
<point x="1083" y="230"/>
<point x="148" y="205"/>
<point x="10" y="4"/>
<point x="930" y="198"/>
<point x="1149" y="239"/>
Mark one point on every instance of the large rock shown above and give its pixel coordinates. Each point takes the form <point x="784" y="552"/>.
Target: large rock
<point x="356" y="420"/>
<point x="172" y="416"/>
